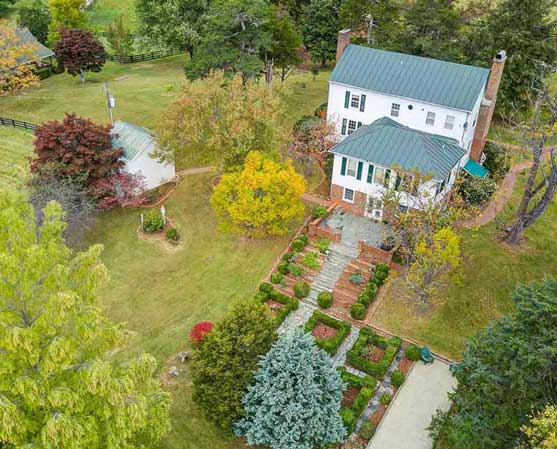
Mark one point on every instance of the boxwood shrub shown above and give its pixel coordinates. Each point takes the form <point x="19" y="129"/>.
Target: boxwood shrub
<point x="348" y="418"/>
<point x="290" y="304"/>
<point x="325" y="299"/>
<point x="412" y="353"/>
<point x="355" y="355"/>
<point x="301" y="289"/>
<point x="331" y="344"/>
<point x="358" y="311"/>
<point x="367" y="386"/>
<point x="276" y="278"/>
<point x="397" y="379"/>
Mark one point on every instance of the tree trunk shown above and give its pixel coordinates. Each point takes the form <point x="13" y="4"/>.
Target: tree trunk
<point x="82" y="76"/>
<point x="516" y="234"/>
<point x="269" y="71"/>
<point x="369" y="29"/>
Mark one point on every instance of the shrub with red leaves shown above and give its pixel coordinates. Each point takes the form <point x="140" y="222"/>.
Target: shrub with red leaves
<point x="78" y="52"/>
<point x="199" y="331"/>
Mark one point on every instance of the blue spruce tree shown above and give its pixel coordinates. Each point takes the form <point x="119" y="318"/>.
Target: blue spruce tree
<point x="295" y="400"/>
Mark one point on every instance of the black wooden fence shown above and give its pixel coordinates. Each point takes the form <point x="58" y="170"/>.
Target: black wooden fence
<point x="17" y="123"/>
<point x="129" y="59"/>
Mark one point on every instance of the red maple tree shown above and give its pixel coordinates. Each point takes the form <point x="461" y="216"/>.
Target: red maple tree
<point x="78" y="52"/>
<point x="199" y="331"/>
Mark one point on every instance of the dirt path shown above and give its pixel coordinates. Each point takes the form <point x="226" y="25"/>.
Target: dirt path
<point x="194" y="171"/>
<point x="311" y="198"/>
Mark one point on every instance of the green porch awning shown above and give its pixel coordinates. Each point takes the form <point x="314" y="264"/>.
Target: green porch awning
<point x="475" y="169"/>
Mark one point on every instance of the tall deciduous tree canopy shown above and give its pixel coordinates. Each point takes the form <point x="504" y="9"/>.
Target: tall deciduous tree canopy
<point x="35" y="16"/>
<point x="172" y="24"/>
<point x="509" y="371"/>
<point x="432" y="28"/>
<point x="234" y="36"/>
<point x="59" y="385"/>
<point x="525" y="29"/>
<point x="78" y="51"/>
<point x="65" y="14"/>
<point x="294" y="402"/>
<point x="284" y="51"/>
<point x="320" y="28"/>
<point x="225" y="359"/>
<point x="218" y="121"/>
<point x="264" y="198"/>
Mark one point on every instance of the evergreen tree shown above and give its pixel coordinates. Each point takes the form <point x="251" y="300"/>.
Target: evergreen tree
<point x="172" y="24"/>
<point x="380" y="18"/>
<point x="36" y="17"/>
<point x="295" y="400"/>
<point x="509" y="371"/>
<point x="235" y="35"/>
<point x="432" y="30"/>
<point x="285" y="45"/>
<point x="320" y="29"/>
<point x="224" y="361"/>
<point x="59" y="384"/>
<point x="525" y="29"/>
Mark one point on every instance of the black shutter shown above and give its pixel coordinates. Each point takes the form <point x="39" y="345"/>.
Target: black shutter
<point x="347" y="100"/>
<point x="370" y="174"/>
<point x="343" y="166"/>
<point x="343" y="130"/>
<point x="362" y="103"/>
<point x="360" y="169"/>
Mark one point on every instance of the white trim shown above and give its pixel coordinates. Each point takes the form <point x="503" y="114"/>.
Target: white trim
<point x="344" y="195"/>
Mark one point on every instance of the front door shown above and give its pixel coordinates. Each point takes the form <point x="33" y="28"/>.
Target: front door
<point x="374" y="208"/>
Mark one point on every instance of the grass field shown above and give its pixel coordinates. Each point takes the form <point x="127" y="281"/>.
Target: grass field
<point x="15" y="146"/>
<point x="103" y="12"/>
<point x="491" y="270"/>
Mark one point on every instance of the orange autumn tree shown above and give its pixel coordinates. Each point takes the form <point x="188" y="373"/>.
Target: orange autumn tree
<point x="263" y="198"/>
<point x="14" y="76"/>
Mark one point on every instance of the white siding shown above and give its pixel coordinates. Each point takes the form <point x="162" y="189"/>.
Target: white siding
<point x="154" y="173"/>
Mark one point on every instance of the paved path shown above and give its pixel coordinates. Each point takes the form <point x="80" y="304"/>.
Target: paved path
<point x="405" y="423"/>
<point x="311" y="198"/>
<point x="194" y="171"/>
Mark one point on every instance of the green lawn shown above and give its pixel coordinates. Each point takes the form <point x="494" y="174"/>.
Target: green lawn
<point x="160" y="295"/>
<point x="15" y="146"/>
<point x="491" y="271"/>
<point x="103" y="12"/>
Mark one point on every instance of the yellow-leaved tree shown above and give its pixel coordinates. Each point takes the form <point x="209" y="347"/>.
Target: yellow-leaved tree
<point x="217" y="120"/>
<point x="541" y="433"/>
<point x="263" y="198"/>
<point x="434" y="262"/>
<point x="13" y="74"/>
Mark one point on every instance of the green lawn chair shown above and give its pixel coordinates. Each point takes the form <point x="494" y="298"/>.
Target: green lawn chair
<point x="425" y="355"/>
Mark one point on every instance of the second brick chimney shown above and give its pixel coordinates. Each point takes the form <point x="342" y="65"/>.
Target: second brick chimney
<point x="343" y="41"/>
<point x="488" y="106"/>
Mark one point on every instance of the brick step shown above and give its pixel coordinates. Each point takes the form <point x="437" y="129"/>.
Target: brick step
<point x="349" y="287"/>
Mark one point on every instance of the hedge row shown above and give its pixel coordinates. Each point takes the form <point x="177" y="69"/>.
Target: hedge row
<point x="358" y="309"/>
<point x="267" y="292"/>
<point x="331" y="344"/>
<point x="367" y="386"/>
<point x="355" y="355"/>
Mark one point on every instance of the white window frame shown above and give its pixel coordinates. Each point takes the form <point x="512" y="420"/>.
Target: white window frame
<point x="351" y="127"/>
<point x="355" y="101"/>
<point x="376" y="179"/>
<point x="351" y="171"/>
<point x="346" y="198"/>
<point x="395" y="110"/>
<point x="449" y="122"/>
<point x="430" y="119"/>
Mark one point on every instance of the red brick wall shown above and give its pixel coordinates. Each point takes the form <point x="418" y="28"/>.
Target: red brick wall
<point x="357" y="208"/>
<point x="375" y="255"/>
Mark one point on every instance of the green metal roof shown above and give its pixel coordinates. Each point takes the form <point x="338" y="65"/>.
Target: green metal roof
<point x="390" y="144"/>
<point x="133" y="139"/>
<point x="475" y="169"/>
<point x="430" y="80"/>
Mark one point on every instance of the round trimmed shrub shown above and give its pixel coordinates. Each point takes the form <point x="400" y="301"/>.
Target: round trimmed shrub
<point x="397" y="379"/>
<point x="295" y="269"/>
<point x="298" y="245"/>
<point x="265" y="287"/>
<point x="301" y="289"/>
<point x="283" y="268"/>
<point x="412" y="353"/>
<point x="358" y="311"/>
<point x="287" y="257"/>
<point x="365" y="299"/>
<point x="276" y="278"/>
<point x="304" y="238"/>
<point x="385" y="399"/>
<point x="319" y="212"/>
<point x="367" y="430"/>
<point x="152" y="221"/>
<point x="261" y="297"/>
<point x="476" y="191"/>
<point x="371" y="290"/>
<point x="369" y="382"/>
<point x="325" y="299"/>
<point x="172" y="235"/>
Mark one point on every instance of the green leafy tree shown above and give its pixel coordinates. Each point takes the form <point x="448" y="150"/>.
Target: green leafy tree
<point x="525" y="29"/>
<point x="120" y="37"/>
<point x="65" y="14"/>
<point x="380" y="18"/>
<point x="218" y="121"/>
<point x="235" y="35"/>
<point x="295" y="8"/>
<point x="36" y="17"/>
<point x="59" y="384"/>
<point x="432" y="30"/>
<point x="541" y="433"/>
<point x="509" y="371"/>
<point x="224" y="361"/>
<point x="320" y="29"/>
<point x="294" y="402"/>
<point x="5" y="6"/>
<point x="284" y="52"/>
<point x="172" y="24"/>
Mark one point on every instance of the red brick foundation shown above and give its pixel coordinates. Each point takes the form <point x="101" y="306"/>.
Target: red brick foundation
<point x="356" y="208"/>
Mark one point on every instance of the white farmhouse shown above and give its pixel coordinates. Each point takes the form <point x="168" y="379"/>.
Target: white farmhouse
<point x="397" y="112"/>
<point x="138" y="145"/>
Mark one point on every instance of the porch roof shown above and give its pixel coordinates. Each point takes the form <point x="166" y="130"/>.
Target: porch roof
<point x="387" y="143"/>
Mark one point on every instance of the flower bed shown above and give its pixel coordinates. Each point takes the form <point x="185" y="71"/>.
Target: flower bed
<point x="267" y="293"/>
<point x="366" y="387"/>
<point x="358" y="356"/>
<point x="368" y="295"/>
<point x="332" y="343"/>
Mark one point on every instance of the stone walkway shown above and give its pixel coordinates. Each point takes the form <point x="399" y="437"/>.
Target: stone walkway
<point x="297" y="318"/>
<point x="340" y="356"/>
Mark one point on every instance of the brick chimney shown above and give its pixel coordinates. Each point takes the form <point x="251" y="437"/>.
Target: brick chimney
<point x="488" y="106"/>
<point x="342" y="42"/>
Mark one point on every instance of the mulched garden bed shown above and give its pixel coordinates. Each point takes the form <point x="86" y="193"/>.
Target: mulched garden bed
<point x="374" y="353"/>
<point x="405" y="365"/>
<point x="321" y="330"/>
<point x="274" y="306"/>
<point x="349" y="396"/>
<point x="378" y="414"/>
